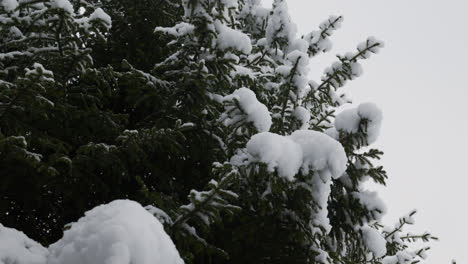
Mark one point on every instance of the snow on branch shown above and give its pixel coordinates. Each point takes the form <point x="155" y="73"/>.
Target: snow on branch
<point x="204" y="206"/>
<point x="10" y="5"/>
<point x="319" y="40"/>
<point x="398" y="249"/>
<point x="178" y="30"/>
<point x="98" y="14"/>
<point x="374" y="241"/>
<point x="303" y="149"/>
<point x="231" y="38"/>
<point x="243" y="104"/>
<point x="346" y="68"/>
<point x="280" y="30"/>
<point x="364" y="121"/>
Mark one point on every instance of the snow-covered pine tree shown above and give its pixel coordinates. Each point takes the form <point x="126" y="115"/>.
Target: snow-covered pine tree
<point x="203" y="111"/>
<point x="296" y="170"/>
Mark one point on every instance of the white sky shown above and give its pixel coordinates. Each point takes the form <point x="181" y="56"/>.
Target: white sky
<point x="418" y="80"/>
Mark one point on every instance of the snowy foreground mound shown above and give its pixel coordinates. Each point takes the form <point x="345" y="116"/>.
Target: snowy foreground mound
<point x="17" y="248"/>
<point x="120" y="232"/>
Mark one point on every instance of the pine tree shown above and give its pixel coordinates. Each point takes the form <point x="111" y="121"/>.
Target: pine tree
<point x="202" y="110"/>
<point x="44" y="52"/>
<point x="68" y="127"/>
<point x="318" y="213"/>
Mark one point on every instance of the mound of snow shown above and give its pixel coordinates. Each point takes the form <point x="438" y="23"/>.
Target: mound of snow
<point x="371" y="112"/>
<point x="371" y="201"/>
<point x="177" y="30"/>
<point x="101" y="15"/>
<point x="303" y="115"/>
<point x="302" y="149"/>
<point x="231" y="38"/>
<point x="256" y="112"/>
<point x="374" y="241"/>
<point x="349" y="120"/>
<point x="279" y="24"/>
<point x="17" y="248"/>
<point x="120" y="232"/>
<point x="62" y="4"/>
<point x="321" y="152"/>
<point x="10" y="5"/>
<point x="277" y="152"/>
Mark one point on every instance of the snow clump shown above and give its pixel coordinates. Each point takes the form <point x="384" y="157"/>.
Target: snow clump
<point x="349" y="120"/>
<point x="10" y="5"/>
<point x="62" y="4"/>
<point x="371" y="201"/>
<point x="320" y="152"/>
<point x="303" y="149"/>
<point x="99" y="14"/>
<point x="256" y="112"/>
<point x="303" y="115"/>
<point x="320" y="42"/>
<point x="38" y="69"/>
<point x="17" y="248"/>
<point x="277" y="152"/>
<point x="231" y="38"/>
<point x="279" y="24"/>
<point x="178" y="30"/>
<point x="119" y="232"/>
<point x="374" y="241"/>
<point x="373" y="114"/>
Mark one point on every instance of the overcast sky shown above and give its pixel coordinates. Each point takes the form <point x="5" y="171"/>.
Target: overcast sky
<point x="419" y="82"/>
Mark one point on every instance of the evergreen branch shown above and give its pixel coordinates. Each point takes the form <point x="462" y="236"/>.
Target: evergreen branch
<point x="327" y="29"/>
<point x="287" y="91"/>
<point x="205" y="203"/>
<point x="343" y="70"/>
